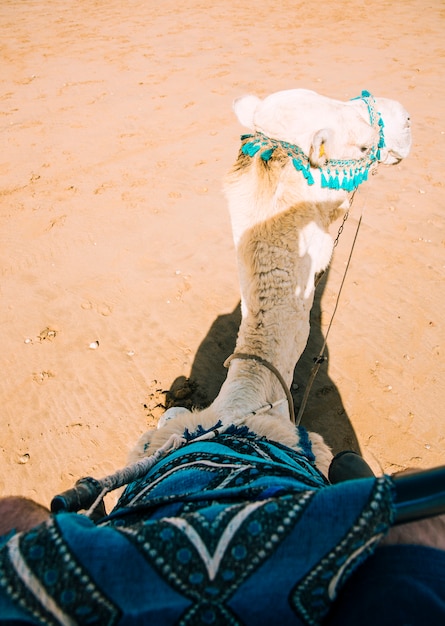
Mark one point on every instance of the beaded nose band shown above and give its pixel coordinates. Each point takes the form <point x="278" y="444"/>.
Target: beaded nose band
<point x="346" y="174"/>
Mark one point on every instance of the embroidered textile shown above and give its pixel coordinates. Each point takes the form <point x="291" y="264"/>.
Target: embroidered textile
<point x="237" y="530"/>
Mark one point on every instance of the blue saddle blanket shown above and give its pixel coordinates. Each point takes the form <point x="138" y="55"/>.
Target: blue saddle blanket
<point x="236" y="530"/>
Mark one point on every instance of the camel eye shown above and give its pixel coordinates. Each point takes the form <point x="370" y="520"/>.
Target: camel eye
<point x="364" y="149"/>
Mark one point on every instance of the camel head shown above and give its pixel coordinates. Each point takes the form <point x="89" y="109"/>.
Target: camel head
<point x="332" y="144"/>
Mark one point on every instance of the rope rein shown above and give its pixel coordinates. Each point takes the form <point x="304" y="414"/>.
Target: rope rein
<point x="253" y="357"/>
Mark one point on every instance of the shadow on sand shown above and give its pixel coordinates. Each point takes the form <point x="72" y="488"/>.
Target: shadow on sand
<point x="324" y="412"/>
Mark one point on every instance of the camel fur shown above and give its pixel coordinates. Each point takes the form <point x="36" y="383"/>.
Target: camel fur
<point x="281" y="233"/>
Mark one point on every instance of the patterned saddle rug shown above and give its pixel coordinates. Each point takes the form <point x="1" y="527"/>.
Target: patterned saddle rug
<point x="236" y="530"/>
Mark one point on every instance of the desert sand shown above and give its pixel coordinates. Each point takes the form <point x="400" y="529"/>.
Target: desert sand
<point x="118" y="271"/>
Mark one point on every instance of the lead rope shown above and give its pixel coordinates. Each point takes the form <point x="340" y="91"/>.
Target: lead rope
<point x="321" y="358"/>
<point x="253" y="357"/>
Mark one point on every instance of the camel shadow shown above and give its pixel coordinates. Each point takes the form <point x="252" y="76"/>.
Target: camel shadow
<point x="324" y="412"/>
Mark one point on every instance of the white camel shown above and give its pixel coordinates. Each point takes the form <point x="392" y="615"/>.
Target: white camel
<point x="295" y="174"/>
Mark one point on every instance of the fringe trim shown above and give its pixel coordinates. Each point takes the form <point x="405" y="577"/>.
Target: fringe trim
<point x="345" y="174"/>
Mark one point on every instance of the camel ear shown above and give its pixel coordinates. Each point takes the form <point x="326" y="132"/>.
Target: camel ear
<point x="319" y="153"/>
<point x="245" y="108"/>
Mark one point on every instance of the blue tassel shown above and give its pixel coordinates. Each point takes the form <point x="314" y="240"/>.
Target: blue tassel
<point x="267" y="154"/>
<point x="297" y="164"/>
<point x="345" y="183"/>
<point x="324" y="182"/>
<point x="308" y="176"/>
<point x="251" y="148"/>
<point x="304" y="170"/>
<point x="382" y="134"/>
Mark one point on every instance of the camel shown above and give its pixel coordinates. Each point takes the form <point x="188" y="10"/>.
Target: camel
<point x="241" y="529"/>
<point x="295" y="174"/>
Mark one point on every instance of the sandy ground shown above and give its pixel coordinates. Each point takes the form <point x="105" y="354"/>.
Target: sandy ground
<point x="118" y="273"/>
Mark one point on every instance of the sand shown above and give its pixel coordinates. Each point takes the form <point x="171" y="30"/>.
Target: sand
<point x="118" y="272"/>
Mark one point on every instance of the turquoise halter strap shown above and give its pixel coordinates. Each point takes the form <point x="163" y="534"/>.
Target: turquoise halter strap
<point x="345" y="174"/>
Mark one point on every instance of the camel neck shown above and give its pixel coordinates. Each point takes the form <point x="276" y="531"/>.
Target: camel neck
<point x="277" y="272"/>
